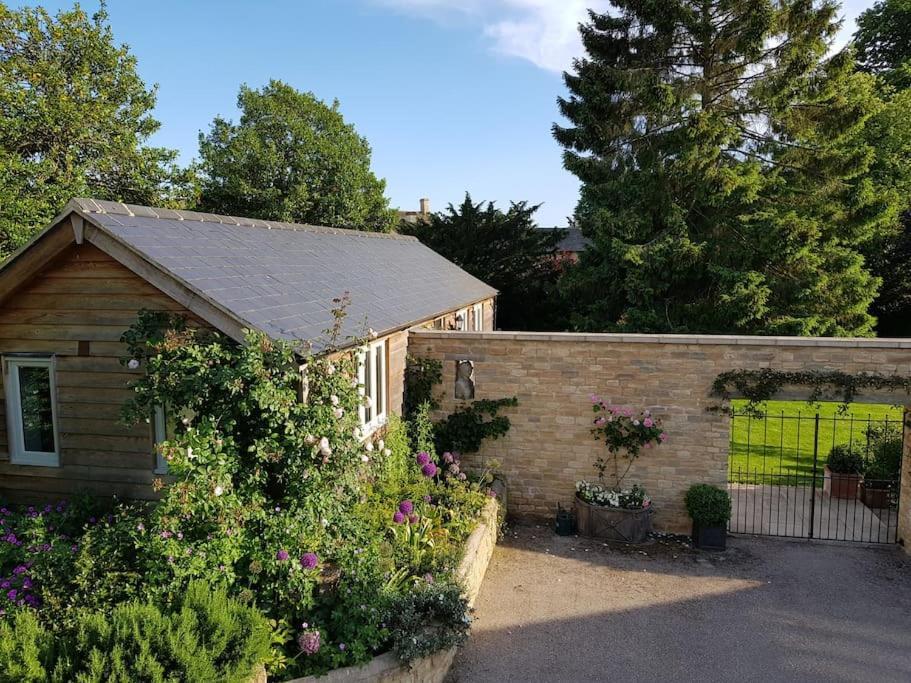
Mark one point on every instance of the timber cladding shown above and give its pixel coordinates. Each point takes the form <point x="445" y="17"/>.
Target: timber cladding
<point x="550" y="445"/>
<point x="76" y="308"/>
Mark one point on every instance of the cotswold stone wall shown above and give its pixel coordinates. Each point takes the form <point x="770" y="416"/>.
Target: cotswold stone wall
<point x="550" y="446"/>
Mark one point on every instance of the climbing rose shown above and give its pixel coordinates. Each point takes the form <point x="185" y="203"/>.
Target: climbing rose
<point x="423" y="458"/>
<point x="429" y="470"/>
<point x="398" y="517"/>
<point x="648" y="422"/>
<point x="309" y="560"/>
<point x="406" y="507"/>
<point x="662" y="436"/>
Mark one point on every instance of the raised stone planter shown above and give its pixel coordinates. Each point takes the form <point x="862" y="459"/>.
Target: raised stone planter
<point x="613" y="524"/>
<point x="387" y="668"/>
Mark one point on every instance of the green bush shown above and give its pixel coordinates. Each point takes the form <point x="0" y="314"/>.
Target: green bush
<point x="208" y="637"/>
<point x="845" y="459"/>
<point x="427" y="620"/>
<point x="885" y="454"/>
<point x="709" y="506"/>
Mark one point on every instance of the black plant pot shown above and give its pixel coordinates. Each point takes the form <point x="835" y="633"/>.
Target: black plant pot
<point x="710" y="537"/>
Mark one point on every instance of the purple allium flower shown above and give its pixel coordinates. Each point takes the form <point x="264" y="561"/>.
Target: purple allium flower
<point x="429" y="470"/>
<point x="406" y="507"/>
<point x="398" y="517"/>
<point x="342" y="646"/>
<point x="309" y="560"/>
<point x="166" y="534"/>
<point x="423" y="458"/>
<point x="12" y="595"/>
<point x="21" y="569"/>
<point x="428" y="499"/>
<point x="282" y="555"/>
<point x="428" y="577"/>
<point x="413" y="519"/>
<point x="462" y="476"/>
<point x="309" y="642"/>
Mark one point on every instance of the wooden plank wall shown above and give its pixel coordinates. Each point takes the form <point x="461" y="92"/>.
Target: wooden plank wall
<point x="84" y="296"/>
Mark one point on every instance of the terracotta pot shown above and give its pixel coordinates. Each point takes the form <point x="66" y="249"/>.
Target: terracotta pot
<point x="875" y="497"/>
<point x="839" y="485"/>
<point x="613" y="524"/>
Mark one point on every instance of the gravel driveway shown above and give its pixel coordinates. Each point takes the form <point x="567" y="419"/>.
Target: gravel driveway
<point x="567" y="609"/>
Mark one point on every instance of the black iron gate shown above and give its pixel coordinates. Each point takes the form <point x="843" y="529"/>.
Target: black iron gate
<point x="780" y="484"/>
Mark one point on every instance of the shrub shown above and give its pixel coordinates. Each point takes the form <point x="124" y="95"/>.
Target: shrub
<point x="207" y="637"/>
<point x="464" y="430"/>
<point x="432" y="618"/>
<point x="709" y="506"/>
<point x="884" y="458"/>
<point x="845" y="459"/>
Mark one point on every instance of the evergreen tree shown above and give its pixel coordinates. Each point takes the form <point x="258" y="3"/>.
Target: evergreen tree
<point x="508" y="251"/>
<point x="74" y="120"/>
<point x="291" y="158"/>
<point x="725" y="173"/>
<point x="883" y="42"/>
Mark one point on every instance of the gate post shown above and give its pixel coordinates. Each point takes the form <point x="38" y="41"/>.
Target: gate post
<point x="904" y="500"/>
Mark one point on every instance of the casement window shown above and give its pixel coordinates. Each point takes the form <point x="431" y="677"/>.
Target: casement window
<point x="478" y="318"/>
<point x="372" y="378"/>
<point x="31" y="393"/>
<point x="461" y="320"/>
<point x="162" y="430"/>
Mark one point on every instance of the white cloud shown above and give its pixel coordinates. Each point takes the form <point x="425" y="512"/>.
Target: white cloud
<point x="544" y="32"/>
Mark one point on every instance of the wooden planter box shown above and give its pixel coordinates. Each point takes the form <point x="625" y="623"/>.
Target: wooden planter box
<point x="710" y="537"/>
<point x="875" y="497"/>
<point x="839" y="485"/>
<point x="613" y="524"/>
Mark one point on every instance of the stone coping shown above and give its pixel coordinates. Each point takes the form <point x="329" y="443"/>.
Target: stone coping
<point x="716" y="339"/>
<point x="387" y="668"/>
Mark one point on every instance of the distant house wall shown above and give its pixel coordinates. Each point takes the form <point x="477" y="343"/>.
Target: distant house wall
<point x="76" y="309"/>
<point x="550" y="445"/>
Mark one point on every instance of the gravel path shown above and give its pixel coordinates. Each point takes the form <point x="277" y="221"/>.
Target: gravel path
<point x="568" y="609"/>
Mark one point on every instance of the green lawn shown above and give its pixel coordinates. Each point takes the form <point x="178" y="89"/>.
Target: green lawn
<point x="780" y="443"/>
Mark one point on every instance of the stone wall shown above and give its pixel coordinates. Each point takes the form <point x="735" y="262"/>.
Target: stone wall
<point x="550" y="446"/>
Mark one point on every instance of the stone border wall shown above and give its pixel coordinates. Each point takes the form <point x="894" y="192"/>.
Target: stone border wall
<point x="550" y="446"/>
<point x="387" y="668"/>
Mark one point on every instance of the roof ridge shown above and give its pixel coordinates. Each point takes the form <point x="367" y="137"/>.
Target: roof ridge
<point x="102" y="206"/>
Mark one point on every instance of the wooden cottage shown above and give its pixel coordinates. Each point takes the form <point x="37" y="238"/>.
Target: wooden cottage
<point x="68" y="296"/>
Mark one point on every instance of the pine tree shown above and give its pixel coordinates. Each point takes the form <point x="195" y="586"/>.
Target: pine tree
<point x="724" y="170"/>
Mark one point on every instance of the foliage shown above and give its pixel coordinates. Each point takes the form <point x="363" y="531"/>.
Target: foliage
<point x="427" y="620"/>
<point x="708" y="506"/>
<point x="74" y="121"/>
<point x="506" y="250"/>
<point x="728" y="179"/>
<point x="633" y="498"/>
<point x="625" y="433"/>
<point x="883" y="41"/>
<point x="421" y="376"/>
<point x="207" y="637"/>
<point x="884" y="456"/>
<point x="761" y="385"/>
<point x="845" y="459"/>
<point x="464" y="430"/>
<point x="291" y="158"/>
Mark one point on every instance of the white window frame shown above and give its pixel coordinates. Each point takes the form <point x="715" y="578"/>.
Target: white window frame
<point x="478" y="317"/>
<point x="17" y="452"/>
<point x="461" y="320"/>
<point x="377" y="388"/>
<point x="159" y="435"/>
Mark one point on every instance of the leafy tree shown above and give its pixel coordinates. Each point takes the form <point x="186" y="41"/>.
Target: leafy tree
<point x="726" y="182"/>
<point x="74" y="119"/>
<point x="883" y="45"/>
<point x="883" y="41"/>
<point x="505" y="249"/>
<point x="291" y="158"/>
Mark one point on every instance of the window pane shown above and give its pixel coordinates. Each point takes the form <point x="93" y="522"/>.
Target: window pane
<point x="37" y="415"/>
<point x="368" y="384"/>
<point x="380" y="352"/>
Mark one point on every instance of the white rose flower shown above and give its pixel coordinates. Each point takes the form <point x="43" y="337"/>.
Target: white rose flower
<point x="219" y="490"/>
<point x="371" y="333"/>
<point x="368" y="447"/>
<point x="368" y="401"/>
<point x="334" y="399"/>
<point x="387" y="452"/>
<point x="365" y="458"/>
<point x="380" y="444"/>
<point x="324" y="447"/>
<point x="338" y="412"/>
<point x="330" y="369"/>
<point x="190" y="455"/>
<point x="133" y="364"/>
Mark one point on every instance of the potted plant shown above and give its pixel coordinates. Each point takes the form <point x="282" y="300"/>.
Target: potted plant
<point x="882" y="468"/>
<point x="843" y="472"/>
<point x="606" y="509"/>
<point x="710" y="510"/>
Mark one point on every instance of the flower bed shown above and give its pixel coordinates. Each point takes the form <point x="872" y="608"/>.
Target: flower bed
<point x="343" y="546"/>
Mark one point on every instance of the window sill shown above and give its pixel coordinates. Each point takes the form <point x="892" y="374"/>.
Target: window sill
<point x="36" y="459"/>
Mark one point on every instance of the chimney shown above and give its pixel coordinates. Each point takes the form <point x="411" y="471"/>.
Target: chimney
<point x="425" y="206"/>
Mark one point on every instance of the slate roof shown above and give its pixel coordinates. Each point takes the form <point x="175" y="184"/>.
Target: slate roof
<point x="281" y="278"/>
<point x="574" y="241"/>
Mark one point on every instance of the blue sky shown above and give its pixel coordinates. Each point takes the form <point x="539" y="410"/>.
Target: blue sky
<point x="453" y="95"/>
